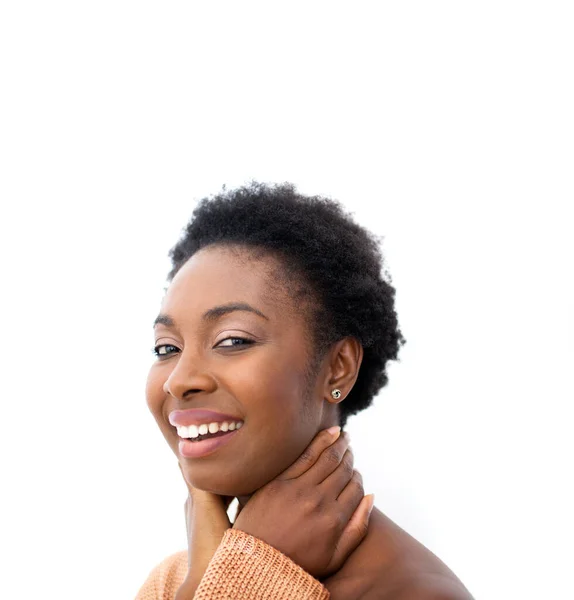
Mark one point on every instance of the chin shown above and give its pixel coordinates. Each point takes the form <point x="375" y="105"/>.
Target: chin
<point x="221" y="484"/>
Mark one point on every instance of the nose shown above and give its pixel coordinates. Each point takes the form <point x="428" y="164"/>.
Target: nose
<point x="188" y="377"/>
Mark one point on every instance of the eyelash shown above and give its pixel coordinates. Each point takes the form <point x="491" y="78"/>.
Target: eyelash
<point x="247" y="342"/>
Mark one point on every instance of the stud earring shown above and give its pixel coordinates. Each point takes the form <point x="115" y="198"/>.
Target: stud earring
<point x="336" y="394"/>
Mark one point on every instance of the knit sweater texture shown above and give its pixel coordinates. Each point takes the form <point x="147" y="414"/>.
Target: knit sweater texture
<point x="242" y="568"/>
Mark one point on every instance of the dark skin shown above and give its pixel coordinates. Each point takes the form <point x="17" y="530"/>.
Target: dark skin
<point x="265" y="384"/>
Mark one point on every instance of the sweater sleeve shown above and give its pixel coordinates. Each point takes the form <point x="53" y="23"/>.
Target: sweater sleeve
<point x="245" y="567"/>
<point x="165" y="578"/>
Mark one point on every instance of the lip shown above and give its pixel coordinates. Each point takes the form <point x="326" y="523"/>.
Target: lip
<point x="198" y="416"/>
<point x="188" y="449"/>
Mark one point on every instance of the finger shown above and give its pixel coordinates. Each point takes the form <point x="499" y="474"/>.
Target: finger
<point x="184" y="479"/>
<point x="188" y="531"/>
<point x="202" y="500"/>
<point x="186" y="503"/>
<point x="351" y="497"/>
<point x="327" y="463"/>
<point x="355" y="531"/>
<point x="308" y="458"/>
<point x="335" y="483"/>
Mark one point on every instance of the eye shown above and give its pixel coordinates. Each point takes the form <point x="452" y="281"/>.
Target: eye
<point x="162" y="350"/>
<point x="242" y="342"/>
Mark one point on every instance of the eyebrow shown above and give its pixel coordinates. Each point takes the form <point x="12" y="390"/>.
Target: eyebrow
<point x="213" y="313"/>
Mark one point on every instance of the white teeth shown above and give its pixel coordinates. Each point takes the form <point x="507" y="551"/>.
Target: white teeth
<point x="194" y="431"/>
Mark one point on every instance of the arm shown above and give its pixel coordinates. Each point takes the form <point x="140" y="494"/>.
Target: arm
<point x="246" y="567"/>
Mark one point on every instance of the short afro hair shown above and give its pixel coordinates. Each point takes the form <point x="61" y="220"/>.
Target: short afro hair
<point x="339" y="261"/>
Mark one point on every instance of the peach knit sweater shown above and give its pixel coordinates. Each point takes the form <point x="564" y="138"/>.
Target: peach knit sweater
<point x="243" y="567"/>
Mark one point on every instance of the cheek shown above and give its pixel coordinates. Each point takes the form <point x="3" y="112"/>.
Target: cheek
<point x="156" y="398"/>
<point x="154" y="391"/>
<point x="273" y="393"/>
<point x="280" y="421"/>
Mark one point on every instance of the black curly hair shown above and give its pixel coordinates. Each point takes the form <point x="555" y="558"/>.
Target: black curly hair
<point x="333" y="266"/>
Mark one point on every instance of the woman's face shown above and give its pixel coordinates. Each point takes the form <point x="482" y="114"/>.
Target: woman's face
<point x="262" y="383"/>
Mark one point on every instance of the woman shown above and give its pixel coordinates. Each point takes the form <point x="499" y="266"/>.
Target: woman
<point x="276" y="327"/>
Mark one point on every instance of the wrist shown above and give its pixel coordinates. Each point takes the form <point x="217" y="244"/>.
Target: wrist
<point x="188" y="588"/>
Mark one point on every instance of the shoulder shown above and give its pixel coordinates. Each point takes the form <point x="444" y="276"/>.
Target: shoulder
<point x="424" y="587"/>
<point x="428" y="587"/>
<point x="391" y="565"/>
<point x="419" y="588"/>
<point x="173" y="567"/>
<point x="173" y="559"/>
<point x="165" y="578"/>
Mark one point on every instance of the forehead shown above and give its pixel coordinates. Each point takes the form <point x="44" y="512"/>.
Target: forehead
<point x="218" y="275"/>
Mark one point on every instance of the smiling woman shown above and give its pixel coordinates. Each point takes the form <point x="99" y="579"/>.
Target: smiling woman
<point x="277" y="326"/>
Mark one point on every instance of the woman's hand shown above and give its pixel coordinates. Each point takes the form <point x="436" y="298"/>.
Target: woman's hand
<point x="315" y="511"/>
<point x="206" y="522"/>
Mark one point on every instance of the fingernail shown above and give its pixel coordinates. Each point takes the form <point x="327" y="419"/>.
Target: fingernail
<point x="372" y="504"/>
<point x="334" y="430"/>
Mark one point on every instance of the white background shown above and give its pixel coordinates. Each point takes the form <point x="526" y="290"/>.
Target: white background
<point x="446" y="127"/>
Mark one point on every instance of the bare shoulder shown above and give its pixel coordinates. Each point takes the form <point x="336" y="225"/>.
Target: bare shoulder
<point x="391" y="565"/>
<point x="425" y="587"/>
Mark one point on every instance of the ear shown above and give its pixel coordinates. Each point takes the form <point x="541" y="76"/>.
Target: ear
<point x="345" y="359"/>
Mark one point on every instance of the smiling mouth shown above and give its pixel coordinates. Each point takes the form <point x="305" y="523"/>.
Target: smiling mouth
<point x="204" y="444"/>
<point x="206" y="436"/>
<point x="203" y="431"/>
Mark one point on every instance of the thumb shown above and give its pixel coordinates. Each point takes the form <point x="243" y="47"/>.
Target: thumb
<point x="205" y="507"/>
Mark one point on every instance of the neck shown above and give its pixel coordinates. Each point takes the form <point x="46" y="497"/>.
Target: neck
<point x="243" y="500"/>
<point x="333" y="420"/>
